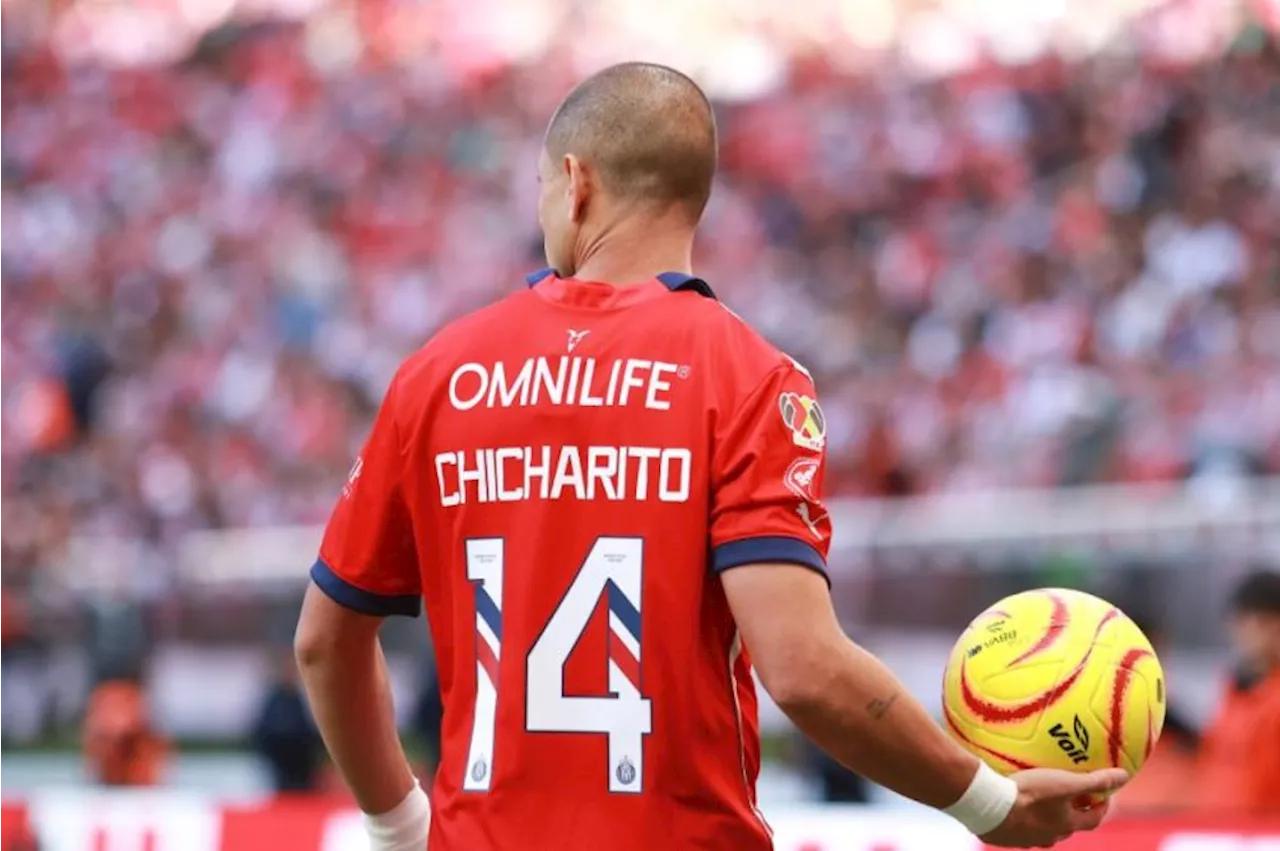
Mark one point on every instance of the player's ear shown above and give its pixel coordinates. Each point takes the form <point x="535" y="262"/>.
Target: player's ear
<point x="577" y="187"/>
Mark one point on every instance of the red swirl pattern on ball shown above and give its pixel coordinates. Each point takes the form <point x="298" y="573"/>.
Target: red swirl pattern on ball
<point x="1124" y="673"/>
<point x="1058" y="620"/>
<point x="994" y="713"/>
<point x="959" y="734"/>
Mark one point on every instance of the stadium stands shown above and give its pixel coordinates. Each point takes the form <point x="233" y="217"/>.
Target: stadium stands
<point x="1008" y="266"/>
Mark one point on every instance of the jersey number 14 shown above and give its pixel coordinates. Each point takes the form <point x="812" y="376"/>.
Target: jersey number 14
<point x="613" y="569"/>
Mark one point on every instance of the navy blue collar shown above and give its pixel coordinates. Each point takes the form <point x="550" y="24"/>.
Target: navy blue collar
<point x="674" y="281"/>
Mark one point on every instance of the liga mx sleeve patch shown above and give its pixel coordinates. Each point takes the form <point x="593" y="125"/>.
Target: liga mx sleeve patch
<point x="803" y="417"/>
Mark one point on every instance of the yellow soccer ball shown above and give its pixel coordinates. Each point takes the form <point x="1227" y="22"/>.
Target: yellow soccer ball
<point x="1054" y="678"/>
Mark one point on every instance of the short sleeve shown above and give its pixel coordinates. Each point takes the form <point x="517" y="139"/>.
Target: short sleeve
<point x="768" y="465"/>
<point x="368" y="561"/>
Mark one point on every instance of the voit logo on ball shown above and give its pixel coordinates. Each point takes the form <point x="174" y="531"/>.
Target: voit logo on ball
<point x="1074" y="742"/>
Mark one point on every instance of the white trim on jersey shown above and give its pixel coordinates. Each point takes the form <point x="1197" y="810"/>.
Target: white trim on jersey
<point x="735" y="650"/>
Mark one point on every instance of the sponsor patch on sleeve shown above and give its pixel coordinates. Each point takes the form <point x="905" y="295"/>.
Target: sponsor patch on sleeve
<point x="800" y="477"/>
<point x="803" y="417"/>
<point x="356" y="469"/>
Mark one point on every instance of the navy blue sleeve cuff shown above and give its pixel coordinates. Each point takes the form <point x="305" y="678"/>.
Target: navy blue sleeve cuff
<point x="763" y="550"/>
<point x="359" y="600"/>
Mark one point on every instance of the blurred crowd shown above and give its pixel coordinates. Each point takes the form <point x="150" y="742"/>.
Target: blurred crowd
<point x="1060" y="272"/>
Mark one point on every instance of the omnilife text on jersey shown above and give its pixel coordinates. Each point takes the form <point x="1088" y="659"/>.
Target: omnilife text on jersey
<point x="564" y="380"/>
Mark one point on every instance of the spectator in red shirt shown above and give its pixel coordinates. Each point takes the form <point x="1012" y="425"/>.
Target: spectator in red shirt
<point x="1240" y="760"/>
<point x="121" y="747"/>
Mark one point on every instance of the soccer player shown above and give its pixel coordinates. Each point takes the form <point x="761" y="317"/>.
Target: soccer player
<point x="606" y="488"/>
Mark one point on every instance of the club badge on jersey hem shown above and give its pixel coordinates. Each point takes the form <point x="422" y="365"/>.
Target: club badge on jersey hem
<point x="359" y="600"/>
<point x="803" y="417"/>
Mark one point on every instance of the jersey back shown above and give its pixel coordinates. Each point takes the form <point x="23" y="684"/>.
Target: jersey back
<point x="562" y="476"/>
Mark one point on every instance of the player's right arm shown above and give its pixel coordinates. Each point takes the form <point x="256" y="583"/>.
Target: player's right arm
<point x="770" y="536"/>
<point x="838" y="694"/>
<point x="367" y="570"/>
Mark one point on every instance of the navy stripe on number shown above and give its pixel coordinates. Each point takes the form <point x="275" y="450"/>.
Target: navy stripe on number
<point x="359" y="600"/>
<point x="627" y="613"/>
<point x="487" y="609"/>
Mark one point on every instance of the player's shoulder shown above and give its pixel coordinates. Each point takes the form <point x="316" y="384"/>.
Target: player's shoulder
<point x="742" y="348"/>
<point x="456" y="340"/>
<point x="461" y="335"/>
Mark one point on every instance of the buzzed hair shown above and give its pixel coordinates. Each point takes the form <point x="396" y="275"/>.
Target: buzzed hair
<point x="647" y="131"/>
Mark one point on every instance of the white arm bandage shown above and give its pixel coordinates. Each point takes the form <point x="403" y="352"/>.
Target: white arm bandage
<point x="986" y="803"/>
<point x="403" y="828"/>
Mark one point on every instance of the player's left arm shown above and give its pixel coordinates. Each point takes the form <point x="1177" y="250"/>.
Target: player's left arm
<point x="770" y="537"/>
<point x="367" y="570"/>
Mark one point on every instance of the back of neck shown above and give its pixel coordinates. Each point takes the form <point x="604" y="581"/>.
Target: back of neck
<point x="636" y="254"/>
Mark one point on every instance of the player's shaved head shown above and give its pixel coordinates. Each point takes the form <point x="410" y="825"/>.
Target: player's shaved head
<point x="647" y="131"/>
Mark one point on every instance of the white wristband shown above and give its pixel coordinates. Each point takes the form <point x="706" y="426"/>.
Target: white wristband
<point x="986" y="803"/>
<point x="402" y="828"/>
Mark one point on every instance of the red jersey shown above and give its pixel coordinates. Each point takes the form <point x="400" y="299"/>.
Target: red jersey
<point x="562" y="476"/>
<point x="1238" y="771"/>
